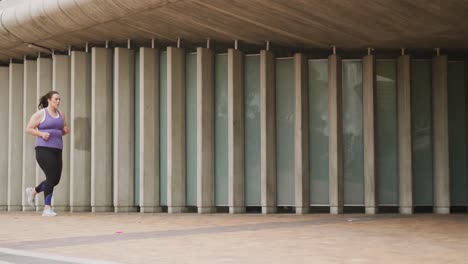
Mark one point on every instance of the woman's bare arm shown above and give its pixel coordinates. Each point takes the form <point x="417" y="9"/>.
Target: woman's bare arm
<point x="65" y="129"/>
<point x="35" y="120"/>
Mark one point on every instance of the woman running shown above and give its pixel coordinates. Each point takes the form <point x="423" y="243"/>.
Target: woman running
<point x="48" y="125"/>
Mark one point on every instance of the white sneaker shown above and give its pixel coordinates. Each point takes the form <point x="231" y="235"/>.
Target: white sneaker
<point x="30" y="196"/>
<point x="48" y="212"/>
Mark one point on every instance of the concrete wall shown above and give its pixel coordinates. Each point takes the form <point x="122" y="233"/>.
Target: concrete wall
<point x="98" y="95"/>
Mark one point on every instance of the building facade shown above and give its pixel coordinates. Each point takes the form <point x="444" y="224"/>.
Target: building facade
<point x="212" y="106"/>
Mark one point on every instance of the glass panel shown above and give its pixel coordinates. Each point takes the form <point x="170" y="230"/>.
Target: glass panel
<point x="285" y="131"/>
<point x="252" y="130"/>
<point x="191" y="128"/>
<point x="457" y="133"/>
<point x="163" y="127"/>
<point x="421" y="109"/>
<point x="318" y="131"/>
<point x="386" y="132"/>
<point x="353" y="133"/>
<point x="137" y="128"/>
<point x="221" y="130"/>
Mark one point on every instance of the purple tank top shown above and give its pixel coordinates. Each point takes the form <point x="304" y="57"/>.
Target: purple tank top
<point x="54" y="126"/>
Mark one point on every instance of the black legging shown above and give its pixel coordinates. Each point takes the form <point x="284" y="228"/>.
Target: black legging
<point x="50" y="161"/>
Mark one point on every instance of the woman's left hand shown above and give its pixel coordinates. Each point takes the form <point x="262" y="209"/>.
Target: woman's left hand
<point x="65" y="130"/>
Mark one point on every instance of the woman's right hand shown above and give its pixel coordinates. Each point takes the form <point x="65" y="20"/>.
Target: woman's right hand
<point x="45" y="135"/>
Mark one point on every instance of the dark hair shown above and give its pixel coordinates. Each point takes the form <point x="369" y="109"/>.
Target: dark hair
<point x="43" y="102"/>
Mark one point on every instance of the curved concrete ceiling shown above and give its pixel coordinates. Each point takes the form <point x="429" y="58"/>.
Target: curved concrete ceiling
<point x="297" y="23"/>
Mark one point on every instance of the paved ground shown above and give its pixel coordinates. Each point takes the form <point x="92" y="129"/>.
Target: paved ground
<point x="223" y="238"/>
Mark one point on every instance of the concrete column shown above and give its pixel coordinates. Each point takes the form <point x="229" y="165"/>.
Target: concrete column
<point x="61" y="84"/>
<point x="15" y="137"/>
<point x="301" y="138"/>
<point x="405" y="164"/>
<point x="205" y="131"/>
<point x="4" y="133"/>
<point x="44" y="85"/>
<point x="80" y="132"/>
<point x="267" y="132"/>
<point x="466" y="109"/>
<point x="149" y="130"/>
<point x="101" y="130"/>
<point x="176" y="130"/>
<point x="236" y="131"/>
<point x="440" y="141"/>
<point x="370" y="179"/>
<point x="29" y="108"/>
<point x="44" y="76"/>
<point x="335" y="138"/>
<point x="124" y="130"/>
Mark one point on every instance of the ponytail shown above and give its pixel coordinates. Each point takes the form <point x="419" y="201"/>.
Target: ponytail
<point x="44" y="100"/>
